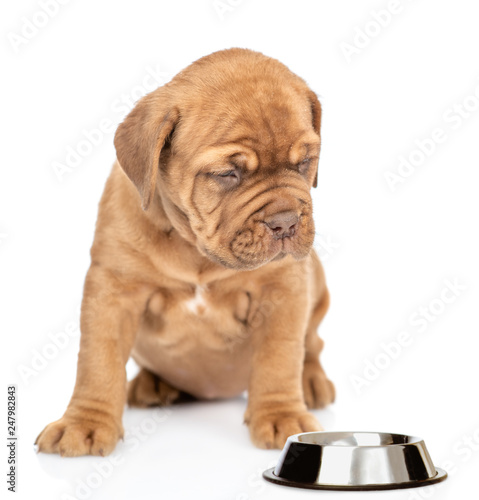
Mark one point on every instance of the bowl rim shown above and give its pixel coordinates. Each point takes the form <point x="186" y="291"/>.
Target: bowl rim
<point x="412" y="440"/>
<point x="270" y="476"/>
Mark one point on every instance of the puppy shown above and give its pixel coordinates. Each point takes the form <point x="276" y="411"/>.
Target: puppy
<point x="202" y="266"/>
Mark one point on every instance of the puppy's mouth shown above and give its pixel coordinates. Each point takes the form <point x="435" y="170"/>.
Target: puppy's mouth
<point x="266" y="241"/>
<point x="286" y="245"/>
<point x="281" y="246"/>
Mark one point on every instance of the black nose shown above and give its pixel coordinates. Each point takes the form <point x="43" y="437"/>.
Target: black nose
<point x="282" y="224"/>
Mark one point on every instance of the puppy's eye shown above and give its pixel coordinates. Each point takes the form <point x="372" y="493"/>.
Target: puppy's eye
<point x="304" y="165"/>
<point x="228" y="179"/>
<point x="230" y="173"/>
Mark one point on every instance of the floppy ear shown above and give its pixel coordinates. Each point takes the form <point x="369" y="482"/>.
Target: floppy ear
<point x="140" y="138"/>
<point x="316" y="112"/>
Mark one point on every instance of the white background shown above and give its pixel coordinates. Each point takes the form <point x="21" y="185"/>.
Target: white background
<point x="386" y="253"/>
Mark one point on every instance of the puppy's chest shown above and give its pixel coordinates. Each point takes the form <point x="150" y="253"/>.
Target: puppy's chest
<point x="199" y="316"/>
<point x="198" y="305"/>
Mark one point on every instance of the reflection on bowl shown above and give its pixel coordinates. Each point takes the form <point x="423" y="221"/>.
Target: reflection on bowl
<point x="354" y="461"/>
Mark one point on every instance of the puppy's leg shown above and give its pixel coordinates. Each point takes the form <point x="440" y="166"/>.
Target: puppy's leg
<point x="318" y="390"/>
<point x="147" y="389"/>
<point x="111" y="312"/>
<point x="276" y="407"/>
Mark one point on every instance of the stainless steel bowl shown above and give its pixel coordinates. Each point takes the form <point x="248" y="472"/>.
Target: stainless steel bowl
<point x="354" y="461"/>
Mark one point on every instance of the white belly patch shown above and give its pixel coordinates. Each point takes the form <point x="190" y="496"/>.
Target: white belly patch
<point x="197" y="304"/>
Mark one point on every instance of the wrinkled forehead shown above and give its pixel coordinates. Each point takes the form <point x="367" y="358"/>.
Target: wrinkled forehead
<point x="268" y="129"/>
<point x="250" y="153"/>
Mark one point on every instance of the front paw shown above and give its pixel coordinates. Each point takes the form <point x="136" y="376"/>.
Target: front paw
<point x="318" y="390"/>
<point x="271" y="429"/>
<point x="90" y="433"/>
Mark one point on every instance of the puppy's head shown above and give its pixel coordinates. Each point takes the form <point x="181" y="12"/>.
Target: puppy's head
<point x="230" y="146"/>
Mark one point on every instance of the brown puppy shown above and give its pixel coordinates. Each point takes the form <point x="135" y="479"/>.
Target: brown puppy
<point x="202" y="267"/>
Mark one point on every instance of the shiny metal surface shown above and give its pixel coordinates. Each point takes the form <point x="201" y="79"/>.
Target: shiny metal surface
<point x="354" y="461"/>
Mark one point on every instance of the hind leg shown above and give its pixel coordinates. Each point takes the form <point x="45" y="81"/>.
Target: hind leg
<point x="147" y="389"/>
<point x="318" y="390"/>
